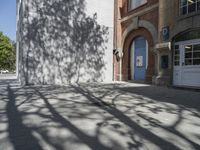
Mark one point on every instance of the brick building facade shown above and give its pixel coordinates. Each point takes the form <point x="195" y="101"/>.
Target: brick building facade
<point x="171" y="54"/>
<point x="140" y="22"/>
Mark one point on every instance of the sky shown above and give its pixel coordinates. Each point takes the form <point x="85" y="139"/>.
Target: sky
<point x="8" y="18"/>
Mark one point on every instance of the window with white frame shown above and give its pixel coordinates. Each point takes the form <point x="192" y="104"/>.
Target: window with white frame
<point x="192" y="54"/>
<point x="132" y="4"/>
<point x="189" y="6"/>
<point x="176" y="55"/>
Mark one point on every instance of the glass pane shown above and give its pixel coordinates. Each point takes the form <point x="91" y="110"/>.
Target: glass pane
<point x="191" y="1"/>
<point x="176" y="53"/>
<point x="183" y="10"/>
<point x="188" y="61"/>
<point x="164" y="61"/>
<point x="188" y="48"/>
<point x="196" y="47"/>
<point x="183" y="2"/>
<point x="136" y="3"/>
<point x="188" y="55"/>
<point x="198" y="5"/>
<point x="195" y="34"/>
<point x="143" y="1"/>
<point x="176" y="58"/>
<point x="196" y="55"/>
<point x="133" y="4"/>
<point x="196" y="62"/>
<point x="176" y="47"/>
<point x="176" y="63"/>
<point x="192" y="7"/>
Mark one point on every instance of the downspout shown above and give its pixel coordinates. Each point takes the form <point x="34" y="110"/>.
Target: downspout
<point x="120" y="68"/>
<point x="120" y="51"/>
<point x="120" y="58"/>
<point x="116" y="32"/>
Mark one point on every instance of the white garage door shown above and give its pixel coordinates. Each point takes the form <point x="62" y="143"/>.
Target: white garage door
<point x="187" y="63"/>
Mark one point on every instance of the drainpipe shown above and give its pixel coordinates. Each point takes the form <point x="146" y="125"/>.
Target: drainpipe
<point x="120" y="68"/>
<point x="120" y="51"/>
<point x="116" y="32"/>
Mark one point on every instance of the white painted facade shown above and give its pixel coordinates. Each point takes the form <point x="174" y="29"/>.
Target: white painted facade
<point x="62" y="41"/>
<point x="185" y="74"/>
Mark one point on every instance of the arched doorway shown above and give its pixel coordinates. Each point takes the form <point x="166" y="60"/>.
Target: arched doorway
<point x="139" y="58"/>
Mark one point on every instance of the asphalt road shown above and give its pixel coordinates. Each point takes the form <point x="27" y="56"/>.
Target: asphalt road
<point x="123" y="116"/>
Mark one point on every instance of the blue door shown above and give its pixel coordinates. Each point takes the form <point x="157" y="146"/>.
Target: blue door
<point x="140" y="58"/>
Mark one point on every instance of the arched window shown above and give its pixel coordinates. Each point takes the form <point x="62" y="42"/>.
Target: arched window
<point x="195" y="34"/>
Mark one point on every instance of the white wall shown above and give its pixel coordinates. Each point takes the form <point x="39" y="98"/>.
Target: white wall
<point x="63" y="41"/>
<point x="105" y="16"/>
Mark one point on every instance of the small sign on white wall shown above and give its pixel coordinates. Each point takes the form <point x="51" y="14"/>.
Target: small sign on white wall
<point x="139" y="61"/>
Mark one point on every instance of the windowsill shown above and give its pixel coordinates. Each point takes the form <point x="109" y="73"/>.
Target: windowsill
<point x="181" y="17"/>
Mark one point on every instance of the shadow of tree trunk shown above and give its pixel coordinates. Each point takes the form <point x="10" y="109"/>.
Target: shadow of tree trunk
<point x="162" y="143"/>
<point x="20" y="136"/>
<point x="92" y="142"/>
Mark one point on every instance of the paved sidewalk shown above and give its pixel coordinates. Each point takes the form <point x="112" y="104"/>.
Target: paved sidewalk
<point x="7" y="76"/>
<point x="124" y="116"/>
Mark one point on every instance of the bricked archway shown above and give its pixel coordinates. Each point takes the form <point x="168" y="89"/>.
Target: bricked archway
<point x="126" y="67"/>
<point x="141" y="24"/>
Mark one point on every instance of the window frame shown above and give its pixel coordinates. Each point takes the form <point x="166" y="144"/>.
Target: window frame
<point x="129" y="8"/>
<point x="176" y="54"/>
<point x="180" y="54"/>
<point x="187" y="6"/>
<point x="192" y="58"/>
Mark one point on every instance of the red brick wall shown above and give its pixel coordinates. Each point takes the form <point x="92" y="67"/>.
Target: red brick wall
<point x="125" y="11"/>
<point x="152" y="17"/>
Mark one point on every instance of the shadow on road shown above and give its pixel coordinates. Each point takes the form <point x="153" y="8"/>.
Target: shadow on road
<point x="100" y="117"/>
<point x="178" y="97"/>
<point x="20" y="135"/>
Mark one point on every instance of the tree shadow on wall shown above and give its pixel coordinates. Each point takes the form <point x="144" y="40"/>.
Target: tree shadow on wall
<point x="61" y="43"/>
